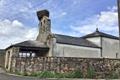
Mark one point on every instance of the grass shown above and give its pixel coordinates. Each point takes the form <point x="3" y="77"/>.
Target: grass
<point x="90" y="72"/>
<point x="73" y="74"/>
<point x="50" y="74"/>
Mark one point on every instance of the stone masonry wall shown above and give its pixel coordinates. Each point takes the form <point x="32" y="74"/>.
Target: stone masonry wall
<point x="101" y="66"/>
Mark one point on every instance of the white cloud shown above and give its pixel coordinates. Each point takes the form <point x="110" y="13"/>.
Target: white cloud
<point x="64" y="13"/>
<point x="2" y="2"/>
<point x="16" y="9"/>
<point x="58" y="15"/>
<point x="106" y="21"/>
<point x="26" y="9"/>
<point x="63" y="32"/>
<point x="14" y="31"/>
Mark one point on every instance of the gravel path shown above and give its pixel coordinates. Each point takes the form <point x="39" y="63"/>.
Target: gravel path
<point x="4" y="76"/>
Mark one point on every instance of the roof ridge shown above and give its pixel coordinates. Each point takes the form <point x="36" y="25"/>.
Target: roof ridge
<point x="67" y="35"/>
<point x="100" y="34"/>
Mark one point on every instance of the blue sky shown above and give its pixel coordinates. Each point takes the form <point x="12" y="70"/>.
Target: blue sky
<point x="18" y="20"/>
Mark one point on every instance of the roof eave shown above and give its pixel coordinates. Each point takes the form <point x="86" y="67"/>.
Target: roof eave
<point x="100" y="36"/>
<point x="78" y="45"/>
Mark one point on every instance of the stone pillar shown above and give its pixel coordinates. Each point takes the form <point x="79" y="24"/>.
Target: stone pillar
<point x="51" y="42"/>
<point x="6" y="59"/>
<point x="14" y="56"/>
<point x="13" y="51"/>
<point x="9" y="60"/>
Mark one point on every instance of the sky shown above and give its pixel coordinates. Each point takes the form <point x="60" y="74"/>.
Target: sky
<point x="18" y="20"/>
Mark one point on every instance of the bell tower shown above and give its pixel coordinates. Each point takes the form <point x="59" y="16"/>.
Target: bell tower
<point x="44" y="25"/>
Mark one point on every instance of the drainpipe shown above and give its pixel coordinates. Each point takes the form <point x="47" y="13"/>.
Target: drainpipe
<point x="63" y="52"/>
<point x="118" y="4"/>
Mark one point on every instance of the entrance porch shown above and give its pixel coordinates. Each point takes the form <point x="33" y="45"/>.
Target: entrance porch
<point x="25" y="49"/>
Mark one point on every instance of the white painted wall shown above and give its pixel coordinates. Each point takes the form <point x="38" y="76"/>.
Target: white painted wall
<point x="110" y="47"/>
<point x="64" y="50"/>
<point x="95" y="40"/>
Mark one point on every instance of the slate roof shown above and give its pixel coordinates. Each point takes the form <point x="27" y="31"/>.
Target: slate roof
<point x="74" y="41"/>
<point x="29" y="43"/>
<point x="100" y="34"/>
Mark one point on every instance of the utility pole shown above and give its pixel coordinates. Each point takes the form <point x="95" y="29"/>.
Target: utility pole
<point x="118" y="4"/>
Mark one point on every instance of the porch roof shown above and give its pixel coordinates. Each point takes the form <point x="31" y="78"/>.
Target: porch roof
<point x="29" y="44"/>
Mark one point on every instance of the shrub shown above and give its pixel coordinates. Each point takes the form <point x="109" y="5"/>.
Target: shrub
<point x="24" y="74"/>
<point x="90" y="72"/>
<point x="113" y="75"/>
<point x="77" y="74"/>
<point x="46" y="74"/>
<point x="21" y="73"/>
<point x="59" y="75"/>
<point x="34" y="74"/>
<point x="49" y="74"/>
<point x="18" y="73"/>
<point x="73" y="74"/>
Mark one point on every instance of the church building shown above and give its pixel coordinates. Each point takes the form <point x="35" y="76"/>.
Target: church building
<point x="93" y="45"/>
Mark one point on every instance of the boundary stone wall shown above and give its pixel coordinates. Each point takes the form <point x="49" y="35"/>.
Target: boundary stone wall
<point x="101" y="66"/>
